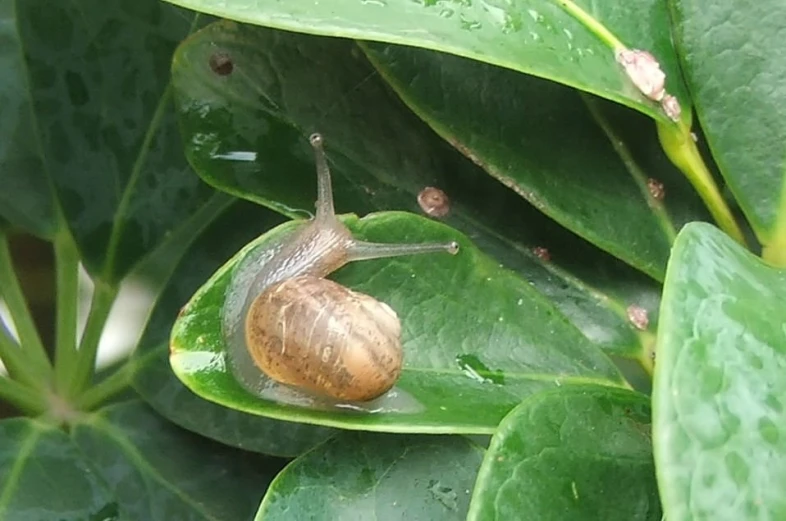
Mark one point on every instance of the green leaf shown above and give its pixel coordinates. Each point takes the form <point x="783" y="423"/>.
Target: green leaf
<point x="157" y="471"/>
<point x="580" y="452"/>
<point x="734" y="65"/>
<point x="476" y="337"/>
<point x="554" y="40"/>
<point x="44" y="477"/>
<point x="26" y="198"/>
<point x="124" y="463"/>
<point x="245" y="134"/>
<point x="718" y="391"/>
<point x="377" y="476"/>
<point x="538" y="137"/>
<point x="153" y="377"/>
<point x="102" y="127"/>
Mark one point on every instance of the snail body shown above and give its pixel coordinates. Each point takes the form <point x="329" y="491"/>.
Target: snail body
<point x="290" y="331"/>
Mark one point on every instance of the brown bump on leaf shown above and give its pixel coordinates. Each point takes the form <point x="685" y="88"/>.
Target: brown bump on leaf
<point x="644" y="71"/>
<point x="542" y="253"/>
<point x="638" y="316"/>
<point x="434" y="202"/>
<point x="657" y="191"/>
<point x="221" y="63"/>
<point x="671" y="107"/>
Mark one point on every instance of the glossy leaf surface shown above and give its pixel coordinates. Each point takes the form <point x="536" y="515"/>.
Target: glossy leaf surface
<point x="734" y="64"/>
<point x="719" y="387"/>
<point x="43" y="476"/>
<point x="578" y="452"/>
<point x="537" y="137"/>
<point x="563" y="41"/>
<point x="153" y="377"/>
<point x="377" y="476"/>
<point x="26" y="199"/>
<point x="95" y="117"/>
<point x="476" y="338"/>
<point x="125" y="463"/>
<point x="246" y="125"/>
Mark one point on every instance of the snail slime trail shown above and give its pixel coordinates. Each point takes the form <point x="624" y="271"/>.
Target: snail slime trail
<point x="294" y="337"/>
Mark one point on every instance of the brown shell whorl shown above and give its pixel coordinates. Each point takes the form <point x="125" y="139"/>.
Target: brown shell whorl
<point x="315" y="334"/>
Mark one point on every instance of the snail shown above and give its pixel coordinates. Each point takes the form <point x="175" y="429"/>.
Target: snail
<point x="291" y="332"/>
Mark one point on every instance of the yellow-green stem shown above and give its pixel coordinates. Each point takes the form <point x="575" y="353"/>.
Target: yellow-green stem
<point x="22" y="397"/>
<point x="103" y="298"/>
<point x="37" y="367"/>
<point x="67" y="280"/>
<point x="107" y="388"/>
<point x="681" y="149"/>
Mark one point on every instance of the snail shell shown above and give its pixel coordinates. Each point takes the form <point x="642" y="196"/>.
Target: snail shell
<point x="294" y="336"/>
<point x="316" y="334"/>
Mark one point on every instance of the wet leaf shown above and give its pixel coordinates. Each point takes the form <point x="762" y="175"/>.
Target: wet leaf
<point x="537" y="137"/>
<point x="735" y="68"/>
<point x="245" y="131"/>
<point x="44" y="477"/>
<point x="579" y="452"/>
<point x="95" y="116"/>
<point x="567" y="42"/>
<point x="153" y="377"/>
<point x="377" y="476"/>
<point x="476" y="337"/>
<point x="718" y="390"/>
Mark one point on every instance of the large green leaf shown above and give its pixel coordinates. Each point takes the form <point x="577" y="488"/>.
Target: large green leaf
<point x="734" y="64"/>
<point x="124" y="463"/>
<point x="538" y="137"/>
<point x="158" y="471"/>
<point x="153" y="377"/>
<point x="44" y="477"/>
<point x="26" y="198"/>
<point x="476" y="337"/>
<point x="579" y="453"/>
<point x="97" y="113"/>
<point x="377" y="476"/>
<point x="718" y="398"/>
<point x="554" y="40"/>
<point x="245" y="131"/>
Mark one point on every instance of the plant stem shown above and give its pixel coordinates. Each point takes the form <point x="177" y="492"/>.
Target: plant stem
<point x="82" y="373"/>
<point x="34" y="361"/>
<point x="22" y="397"/>
<point x="13" y="358"/>
<point x="67" y="278"/>
<point x="681" y="149"/>
<point x="107" y="388"/>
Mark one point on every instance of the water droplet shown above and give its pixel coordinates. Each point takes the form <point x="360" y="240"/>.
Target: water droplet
<point x="568" y="33"/>
<point x="447" y="12"/>
<point x="380" y="3"/>
<point x="535" y="36"/>
<point x="520" y="301"/>
<point x="478" y="371"/>
<point x="443" y="494"/>
<point x="769" y="431"/>
<point x="470" y="25"/>
<point x="536" y="16"/>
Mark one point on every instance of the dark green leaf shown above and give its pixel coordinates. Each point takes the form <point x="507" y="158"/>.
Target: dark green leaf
<point x="153" y="377"/>
<point x="245" y="134"/>
<point x="540" y="37"/>
<point x="719" y="387"/>
<point x="26" y="198"/>
<point x="101" y="124"/>
<point x="43" y="477"/>
<point x="158" y="471"/>
<point x="377" y="476"/>
<point x="579" y="453"/>
<point x="476" y="337"/>
<point x="734" y="64"/>
<point x="538" y="138"/>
